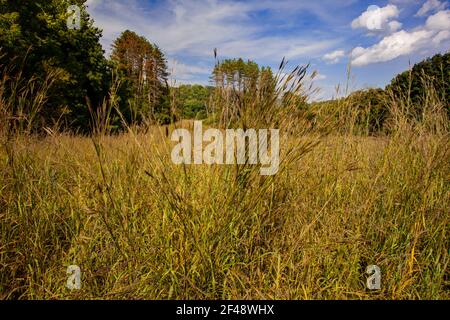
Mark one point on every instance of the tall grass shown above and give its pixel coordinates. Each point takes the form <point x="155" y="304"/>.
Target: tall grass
<point x="141" y="227"/>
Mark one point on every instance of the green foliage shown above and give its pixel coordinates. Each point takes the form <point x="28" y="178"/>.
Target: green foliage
<point x="144" y="69"/>
<point x="243" y="90"/>
<point x="34" y="35"/>
<point x="415" y="83"/>
<point x="236" y="73"/>
<point x="372" y="110"/>
<point x="192" y="100"/>
<point x="422" y="91"/>
<point x="362" y="112"/>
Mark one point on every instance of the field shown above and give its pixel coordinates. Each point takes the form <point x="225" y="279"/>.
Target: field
<point x="141" y="227"/>
<point x="347" y="109"/>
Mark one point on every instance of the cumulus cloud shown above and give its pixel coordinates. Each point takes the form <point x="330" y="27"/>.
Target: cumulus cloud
<point x="441" y="37"/>
<point x="334" y="57"/>
<point x="391" y="47"/>
<point x="376" y="19"/>
<point x="394" y="26"/>
<point x="403" y="42"/>
<point x="439" y="21"/>
<point x="431" y="6"/>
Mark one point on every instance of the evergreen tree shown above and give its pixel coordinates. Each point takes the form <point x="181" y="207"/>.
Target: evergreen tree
<point x="144" y="68"/>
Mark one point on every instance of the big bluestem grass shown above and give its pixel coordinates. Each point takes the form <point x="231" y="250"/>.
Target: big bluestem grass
<point x="141" y="227"/>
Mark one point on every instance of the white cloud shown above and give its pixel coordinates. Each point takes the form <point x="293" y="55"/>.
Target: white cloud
<point x="391" y="47"/>
<point x="195" y="28"/>
<point x="376" y="19"/>
<point x="394" y="26"/>
<point x="334" y="57"/>
<point x="439" y="21"/>
<point x="273" y="48"/>
<point x="431" y="6"/>
<point x="175" y="26"/>
<point x="182" y="71"/>
<point x="434" y="32"/>
<point x="441" y="37"/>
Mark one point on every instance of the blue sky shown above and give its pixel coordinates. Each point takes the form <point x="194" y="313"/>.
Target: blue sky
<point x="380" y="38"/>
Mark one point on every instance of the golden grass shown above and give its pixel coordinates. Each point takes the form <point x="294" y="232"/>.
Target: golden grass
<point x="142" y="228"/>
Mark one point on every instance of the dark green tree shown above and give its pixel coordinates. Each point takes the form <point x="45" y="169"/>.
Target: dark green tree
<point x="413" y="85"/>
<point x="34" y="35"/>
<point x="192" y="100"/>
<point x="371" y="108"/>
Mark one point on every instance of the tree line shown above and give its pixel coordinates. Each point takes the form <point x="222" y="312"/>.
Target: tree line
<point x="39" y="52"/>
<point x="426" y="85"/>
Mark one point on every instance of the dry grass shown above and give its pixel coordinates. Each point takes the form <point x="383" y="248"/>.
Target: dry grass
<point x="141" y="227"/>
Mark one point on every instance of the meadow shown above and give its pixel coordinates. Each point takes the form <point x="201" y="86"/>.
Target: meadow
<point x="141" y="227"/>
<point x="87" y="178"/>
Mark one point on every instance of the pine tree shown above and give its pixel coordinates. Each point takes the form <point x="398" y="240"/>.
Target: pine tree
<point x="144" y="67"/>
